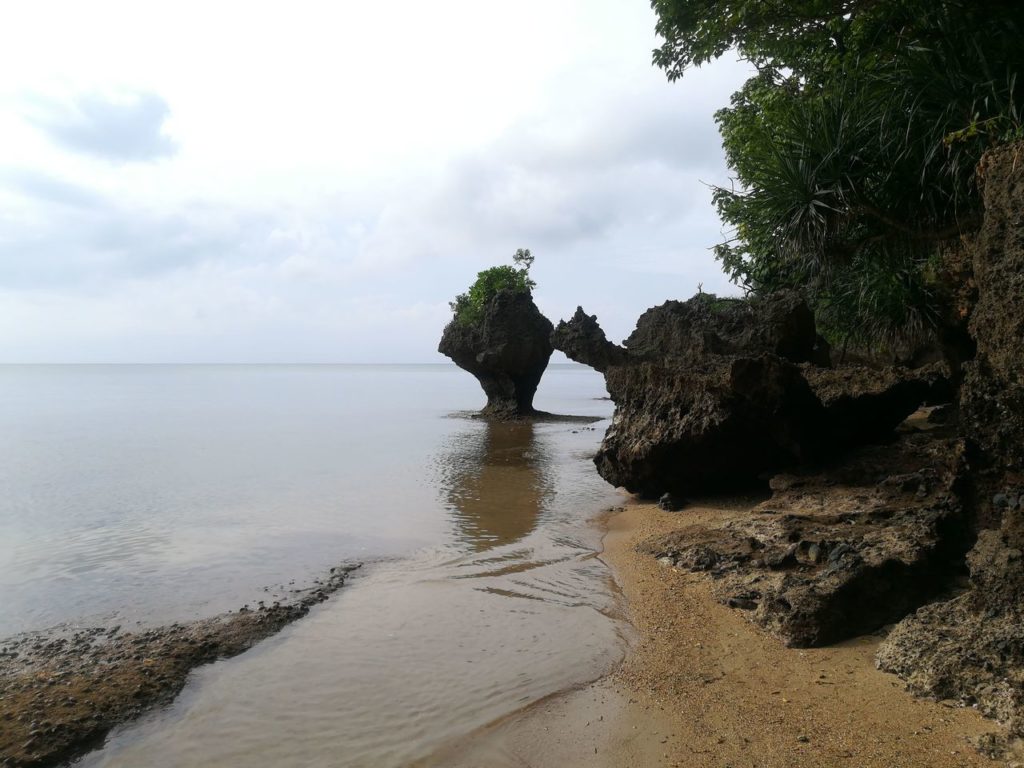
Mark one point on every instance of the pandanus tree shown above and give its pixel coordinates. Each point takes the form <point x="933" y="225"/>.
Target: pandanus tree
<point x="854" y="146"/>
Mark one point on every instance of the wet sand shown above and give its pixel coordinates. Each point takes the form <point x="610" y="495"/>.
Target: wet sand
<point x="62" y="691"/>
<point x="701" y="686"/>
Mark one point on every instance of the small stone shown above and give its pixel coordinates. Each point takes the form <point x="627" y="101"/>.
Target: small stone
<point x="814" y="553"/>
<point x="803" y="739"/>
<point x="671" y="503"/>
<point x="741" y="602"/>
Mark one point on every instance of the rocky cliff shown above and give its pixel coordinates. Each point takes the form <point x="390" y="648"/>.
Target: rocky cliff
<point x="924" y="526"/>
<point x="992" y="395"/>
<point x="971" y="648"/>
<point x="714" y="393"/>
<point x="507" y="352"/>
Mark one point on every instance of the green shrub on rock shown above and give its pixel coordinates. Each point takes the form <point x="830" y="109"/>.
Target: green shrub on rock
<point x="469" y="306"/>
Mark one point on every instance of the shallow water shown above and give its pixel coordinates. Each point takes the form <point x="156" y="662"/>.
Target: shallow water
<point x="156" y="493"/>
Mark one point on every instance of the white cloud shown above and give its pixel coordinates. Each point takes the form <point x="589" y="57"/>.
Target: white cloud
<point x="313" y="182"/>
<point x="120" y="126"/>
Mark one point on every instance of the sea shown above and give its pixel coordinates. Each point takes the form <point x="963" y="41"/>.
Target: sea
<point x="138" y="496"/>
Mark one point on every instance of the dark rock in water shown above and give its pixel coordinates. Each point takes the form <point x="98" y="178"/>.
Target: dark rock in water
<point x="713" y="392"/>
<point x="671" y="503"/>
<point x="835" y="555"/>
<point x="507" y="352"/>
<point x="992" y="394"/>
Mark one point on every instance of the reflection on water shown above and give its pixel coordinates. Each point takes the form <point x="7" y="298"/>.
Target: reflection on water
<point x="418" y="651"/>
<point x="495" y="482"/>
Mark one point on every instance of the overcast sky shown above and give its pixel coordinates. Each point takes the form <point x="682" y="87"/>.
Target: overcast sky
<point x="314" y="181"/>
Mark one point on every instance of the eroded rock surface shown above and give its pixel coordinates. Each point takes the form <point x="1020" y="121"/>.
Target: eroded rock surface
<point x="582" y="340"/>
<point x="971" y="648"/>
<point x="713" y="392"/>
<point x="507" y="352"/>
<point x="866" y="404"/>
<point x="710" y="424"/>
<point x="992" y="395"/>
<point x="839" y="553"/>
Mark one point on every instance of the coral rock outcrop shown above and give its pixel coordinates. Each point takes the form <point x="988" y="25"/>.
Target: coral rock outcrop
<point x="971" y="648"/>
<point x="712" y="392"/>
<point x="992" y="394"/>
<point x="842" y="552"/>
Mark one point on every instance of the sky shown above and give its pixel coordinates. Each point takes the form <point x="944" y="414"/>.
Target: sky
<point x="268" y="182"/>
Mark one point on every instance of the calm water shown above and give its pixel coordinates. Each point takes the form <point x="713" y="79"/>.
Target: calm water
<point x="155" y="493"/>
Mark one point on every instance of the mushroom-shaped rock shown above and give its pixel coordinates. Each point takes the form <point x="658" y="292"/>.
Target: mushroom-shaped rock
<point x="507" y="351"/>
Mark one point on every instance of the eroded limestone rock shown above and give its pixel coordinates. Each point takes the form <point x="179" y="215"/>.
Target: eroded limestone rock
<point x="992" y="394"/>
<point x="507" y="352"/>
<point x="721" y="392"/>
<point x="839" y="553"/>
<point x="970" y="648"/>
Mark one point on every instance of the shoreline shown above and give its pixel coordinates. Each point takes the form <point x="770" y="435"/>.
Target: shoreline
<point x="700" y="686"/>
<point x="63" y="690"/>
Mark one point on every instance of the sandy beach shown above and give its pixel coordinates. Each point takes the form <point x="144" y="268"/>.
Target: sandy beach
<point x="701" y="686"/>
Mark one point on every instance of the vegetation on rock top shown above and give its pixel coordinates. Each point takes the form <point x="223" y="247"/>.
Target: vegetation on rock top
<point x="469" y="307"/>
<point x="855" y="144"/>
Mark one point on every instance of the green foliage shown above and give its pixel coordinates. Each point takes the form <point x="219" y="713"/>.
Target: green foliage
<point x="469" y="307"/>
<point x="717" y="304"/>
<point x="855" y="145"/>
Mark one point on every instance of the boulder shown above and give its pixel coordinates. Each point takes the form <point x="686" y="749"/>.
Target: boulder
<point x="682" y="430"/>
<point x="707" y="326"/>
<point x="507" y="352"/>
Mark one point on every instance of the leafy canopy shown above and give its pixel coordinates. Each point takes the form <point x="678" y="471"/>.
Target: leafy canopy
<point x="469" y="306"/>
<point x="855" y="144"/>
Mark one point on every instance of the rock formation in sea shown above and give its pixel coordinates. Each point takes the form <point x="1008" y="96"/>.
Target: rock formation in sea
<point x="713" y="393"/>
<point x="507" y="351"/>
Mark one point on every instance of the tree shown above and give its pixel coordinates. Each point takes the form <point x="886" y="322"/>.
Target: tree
<point x="855" y="145"/>
<point x="469" y="307"/>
